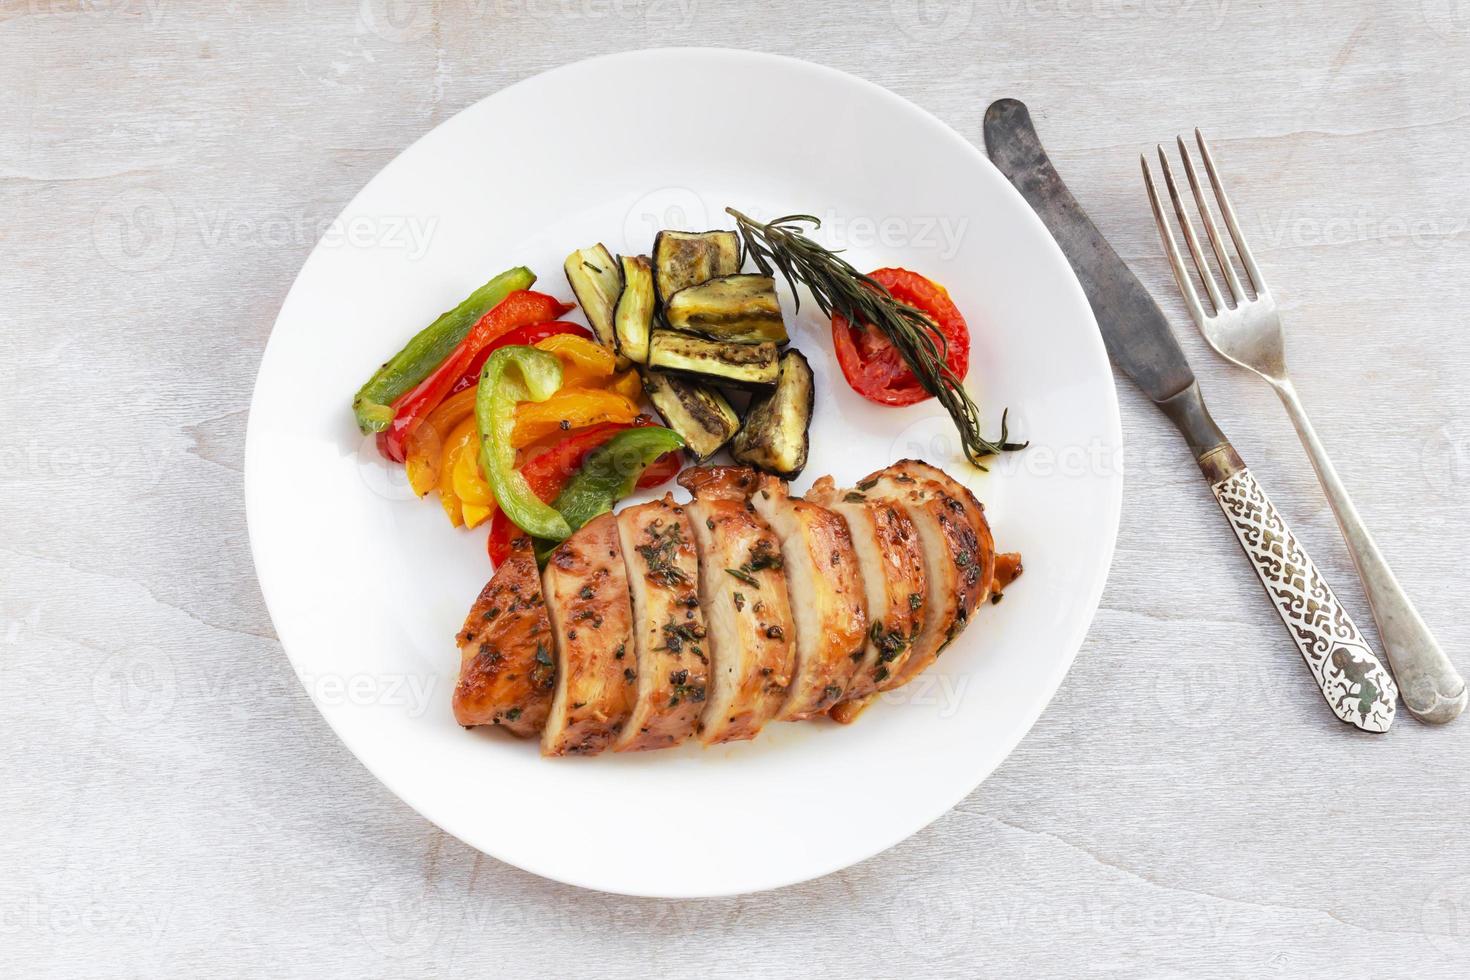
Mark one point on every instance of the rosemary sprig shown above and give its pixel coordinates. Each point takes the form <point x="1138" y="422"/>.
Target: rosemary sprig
<point x="840" y="289"/>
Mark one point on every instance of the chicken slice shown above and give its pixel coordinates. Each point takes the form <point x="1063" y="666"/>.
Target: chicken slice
<point x="828" y="607"/>
<point x="983" y="572"/>
<point x="892" y="563"/>
<point x="668" y="625"/>
<point x="586" y="587"/>
<point x="506" y="673"/>
<point x="959" y="555"/>
<point x="742" y="588"/>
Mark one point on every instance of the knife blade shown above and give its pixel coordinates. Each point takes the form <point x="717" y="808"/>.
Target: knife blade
<point x="1140" y="342"/>
<point x="1134" y="330"/>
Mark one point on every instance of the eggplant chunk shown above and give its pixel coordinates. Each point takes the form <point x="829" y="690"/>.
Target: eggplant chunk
<point x="741" y="308"/>
<point x="775" y="436"/>
<point x="687" y="258"/>
<point x="738" y="365"/>
<point x="697" y="412"/>
<point x="594" y="276"/>
<point x="633" y="317"/>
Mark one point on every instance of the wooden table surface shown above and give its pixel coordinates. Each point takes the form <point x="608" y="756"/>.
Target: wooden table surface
<point x="172" y="804"/>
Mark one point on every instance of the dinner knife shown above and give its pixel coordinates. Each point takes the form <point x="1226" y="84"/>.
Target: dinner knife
<point x="1355" y="685"/>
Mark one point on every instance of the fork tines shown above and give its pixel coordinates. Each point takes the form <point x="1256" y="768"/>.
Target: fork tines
<point x="1236" y="294"/>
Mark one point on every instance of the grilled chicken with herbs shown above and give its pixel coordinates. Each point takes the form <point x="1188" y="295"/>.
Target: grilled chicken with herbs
<point x="668" y="625"/>
<point x="742" y="588"/>
<point x="959" y="554"/>
<point x="586" y="590"/>
<point x="828" y="607"/>
<point x="892" y="565"/>
<point x="714" y="617"/>
<point x="506" y="672"/>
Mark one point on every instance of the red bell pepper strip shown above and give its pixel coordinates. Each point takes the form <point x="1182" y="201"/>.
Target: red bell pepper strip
<point x="521" y="308"/>
<point x="548" y="471"/>
<point x="661" y="470"/>
<point x="529" y="335"/>
<point x="501" y="532"/>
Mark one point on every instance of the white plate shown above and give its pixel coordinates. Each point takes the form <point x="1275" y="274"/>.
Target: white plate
<point x="367" y="585"/>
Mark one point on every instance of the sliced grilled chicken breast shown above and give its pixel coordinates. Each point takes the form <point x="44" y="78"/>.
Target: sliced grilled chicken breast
<point x="828" y="607"/>
<point x="981" y="573"/>
<point x="892" y="563"/>
<point x="957" y="564"/>
<point x="506" y="671"/>
<point x="742" y="588"/>
<point x="668" y="625"/>
<point x="586" y="589"/>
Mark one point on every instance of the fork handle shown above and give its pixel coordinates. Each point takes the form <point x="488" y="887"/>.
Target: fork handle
<point x="1433" y="690"/>
<point x="1353" y="682"/>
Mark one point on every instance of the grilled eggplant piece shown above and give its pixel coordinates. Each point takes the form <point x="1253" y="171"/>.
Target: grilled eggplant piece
<point x="586" y="590"/>
<point x="594" y="276"/>
<point x="687" y="258"/>
<point x="697" y="412"/>
<point x="738" y="365"/>
<point x="827" y="603"/>
<point x="741" y="308"/>
<point x="892" y="562"/>
<point x="747" y="611"/>
<point x="774" y="436"/>
<point x="633" y="316"/>
<point x="506" y="674"/>
<point x="668" y="625"/>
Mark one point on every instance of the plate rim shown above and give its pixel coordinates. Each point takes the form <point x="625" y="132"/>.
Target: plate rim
<point x="1112" y="427"/>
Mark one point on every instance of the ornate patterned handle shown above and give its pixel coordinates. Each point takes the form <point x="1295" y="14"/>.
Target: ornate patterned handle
<point x="1354" y="683"/>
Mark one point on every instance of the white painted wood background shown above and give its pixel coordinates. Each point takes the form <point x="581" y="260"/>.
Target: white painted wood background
<point x="170" y="802"/>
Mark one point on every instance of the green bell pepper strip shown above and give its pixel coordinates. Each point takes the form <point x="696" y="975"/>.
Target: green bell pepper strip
<point x="514" y="374"/>
<point x="373" y="403"/>
<point x="609" y="474"/>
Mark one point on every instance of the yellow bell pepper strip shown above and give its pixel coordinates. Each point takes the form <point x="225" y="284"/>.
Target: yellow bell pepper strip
<point x="585" y="363"/>
<point x="470" y="485"/>
<point x="515" y="375"/>
<point x="426" y="446"/>
<point x="474" y="514"/>
<point x="373" y="403"/>
<point x="569" y="408"/>
<point x="461" y="439"/>
<point x="423" y="469"/>
<point x="463" y="491"/>
<point x="628" y="384"/>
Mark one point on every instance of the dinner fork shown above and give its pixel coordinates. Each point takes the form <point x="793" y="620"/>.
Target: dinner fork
<point x="1246" y="330"/>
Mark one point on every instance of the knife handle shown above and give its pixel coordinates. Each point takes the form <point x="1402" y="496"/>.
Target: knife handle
<point x="1353" y="682"/>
